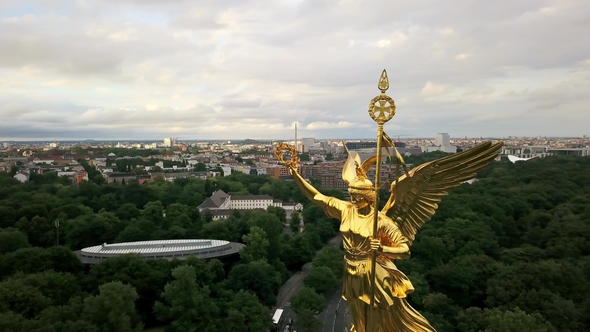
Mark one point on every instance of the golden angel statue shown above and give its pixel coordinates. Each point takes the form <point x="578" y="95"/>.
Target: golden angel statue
<point x="374" y="289"/>
<point x="381" y="305"/>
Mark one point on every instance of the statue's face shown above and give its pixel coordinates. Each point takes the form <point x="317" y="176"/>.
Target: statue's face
<point x="359" y="200"/>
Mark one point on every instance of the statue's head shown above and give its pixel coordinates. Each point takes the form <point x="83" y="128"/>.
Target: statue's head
<point x="354" y="174"/>
<point x="361" y="192"/>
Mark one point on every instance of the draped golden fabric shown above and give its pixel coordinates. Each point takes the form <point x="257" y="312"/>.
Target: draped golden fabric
<point x="391" y="311"/>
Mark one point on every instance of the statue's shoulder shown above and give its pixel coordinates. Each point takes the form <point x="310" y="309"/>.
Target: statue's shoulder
<point x="340" y="201"/>
<point x="334" y="202"/>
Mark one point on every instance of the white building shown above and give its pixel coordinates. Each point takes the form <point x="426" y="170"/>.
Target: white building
<point x="307" y="143"/>
<point x="169" y="141"/>
<point x="221" y="204"/>
<point x="42" y="161"/>
<point x="442" y="142"/>
<point x="580" y="152"/>
<point x="22" y="176"/>
<point x="98" y="163"/>
<point x="250" y="202"/>
<point x="66" y="173"/>
<point x="514" y="159"/>
<point x="525" y="151"/>
<point x="442" y="139"/>
<point x="226" y="170"/>
<point x="447" y="149"/>
<point x="161" y="249"/>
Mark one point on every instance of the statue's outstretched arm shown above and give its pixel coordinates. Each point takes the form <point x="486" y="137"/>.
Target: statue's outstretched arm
<point x="333" y="207"/>
<point x="307" y="189"/>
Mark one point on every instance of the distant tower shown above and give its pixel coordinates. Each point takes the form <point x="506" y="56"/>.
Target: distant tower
<point x="442" y="139"/>
<point x="296" y="145"/>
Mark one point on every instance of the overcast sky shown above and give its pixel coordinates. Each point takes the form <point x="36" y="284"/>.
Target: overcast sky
<point x="206" y="69"/>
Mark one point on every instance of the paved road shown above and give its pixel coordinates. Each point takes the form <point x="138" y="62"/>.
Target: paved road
<point x="294" y="284"/>
<point x="330" y="320"/>
<point x="290" y="288"/>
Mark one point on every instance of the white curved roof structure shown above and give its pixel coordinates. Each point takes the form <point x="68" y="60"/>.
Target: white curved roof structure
<point x="514" y="159"/>
<point x="167" y="249"/>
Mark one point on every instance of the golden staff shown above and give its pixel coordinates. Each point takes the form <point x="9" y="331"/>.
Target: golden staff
<point x="381" y="110"/>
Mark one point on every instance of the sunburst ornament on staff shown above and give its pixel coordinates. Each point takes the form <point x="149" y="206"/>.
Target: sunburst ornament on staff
<point x="382" y="107"/>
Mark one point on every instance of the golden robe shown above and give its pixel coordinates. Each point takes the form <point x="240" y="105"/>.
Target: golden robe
<point x="391" y="312"/>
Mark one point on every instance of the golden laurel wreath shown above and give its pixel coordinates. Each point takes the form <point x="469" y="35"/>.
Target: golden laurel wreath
<point x="281" y="149"/>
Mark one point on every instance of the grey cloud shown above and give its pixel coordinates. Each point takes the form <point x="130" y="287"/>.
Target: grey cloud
<point x="232" y="102"/>
<point x="159" y="117"/>
<point x="99" y="47"/>
<point x="13" y="109"/>
<point x="198" y="20"/>
<point x="133" y="67"/>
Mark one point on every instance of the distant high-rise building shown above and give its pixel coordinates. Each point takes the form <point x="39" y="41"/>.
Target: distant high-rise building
<point x="169" y="141"/>
<point x="307" y="143"/>
<point x="442" y="139"/>
<point x="442" y="142"/>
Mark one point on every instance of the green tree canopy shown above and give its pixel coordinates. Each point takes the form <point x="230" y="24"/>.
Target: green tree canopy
<point x="113" y="309"/>
<point x="259" y="277"/>
<point x="256" y="245"/>
<point x="247" y="314"/>
<point x="307" y="299"/>
<point x="186" y="306"/>
<point x="295" y="222"/>
<point x="321" y="279"/>
<point x="12" y="240"/>
<point x="330" y="257"/>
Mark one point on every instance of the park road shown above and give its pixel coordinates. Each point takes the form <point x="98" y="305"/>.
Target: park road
<point x="295" y="283"/>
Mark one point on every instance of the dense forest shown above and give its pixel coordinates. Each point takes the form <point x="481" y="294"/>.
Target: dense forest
<point x="44" y="287"/>
<point x="510" y="252"/>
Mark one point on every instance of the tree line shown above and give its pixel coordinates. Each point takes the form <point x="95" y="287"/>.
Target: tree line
<point x="510" y="252"/>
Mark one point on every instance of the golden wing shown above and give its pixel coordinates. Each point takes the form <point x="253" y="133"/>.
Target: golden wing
<point x="416" y="195"/>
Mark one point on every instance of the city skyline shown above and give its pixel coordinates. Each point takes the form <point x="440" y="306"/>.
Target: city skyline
<point x="280" y="139"/>
<point x="102" y="70"/>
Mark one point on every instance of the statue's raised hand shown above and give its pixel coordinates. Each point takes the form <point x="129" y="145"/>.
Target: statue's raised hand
<point x="283" y="149"/>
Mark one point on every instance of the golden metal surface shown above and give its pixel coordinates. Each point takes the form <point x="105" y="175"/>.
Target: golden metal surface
<point x="281" y="149"/>
<point x="375" y="290"/>
<point x="382" y="107"/>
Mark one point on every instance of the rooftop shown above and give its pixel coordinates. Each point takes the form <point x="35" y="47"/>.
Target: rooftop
<point x="250" y="197"/>
<point x="160" y="246"/>
<point x="167" y="249"/>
